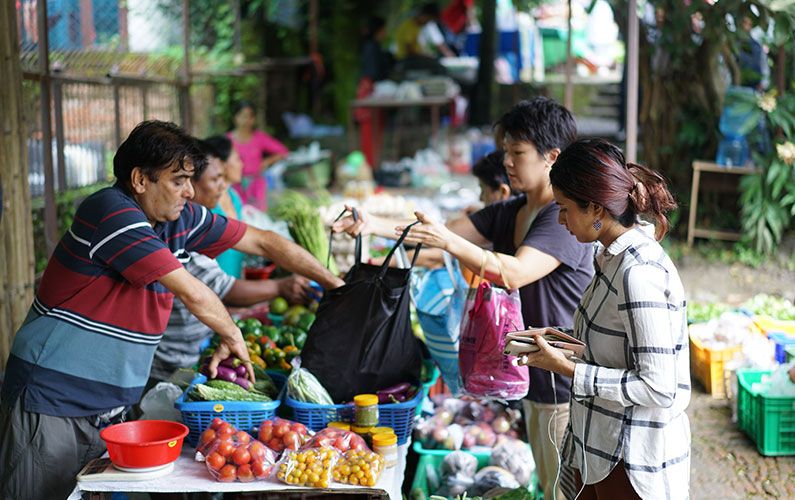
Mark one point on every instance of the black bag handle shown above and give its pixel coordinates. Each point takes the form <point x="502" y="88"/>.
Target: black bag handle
<point x="399" y="242"/>
<point x="358" y="248"/>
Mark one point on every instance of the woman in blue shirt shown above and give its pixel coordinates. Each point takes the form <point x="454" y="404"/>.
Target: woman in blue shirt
<point x="230" y="205"/>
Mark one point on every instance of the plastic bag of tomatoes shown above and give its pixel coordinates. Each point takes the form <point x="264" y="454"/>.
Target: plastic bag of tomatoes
<point x="280" y="434"/>
<point x="239" y="458"/>
<point x="340" y="439"/>
<point x="311" y="467"/>
<point x="218" y="429"/>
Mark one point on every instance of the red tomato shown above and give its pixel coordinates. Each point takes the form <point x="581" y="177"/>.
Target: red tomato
<point x="226" y="449"/>
<point x="259" y="469"/>
<point x="243" y="437"/>
<point x="258" y="452"/>
<point x="358" y="445"/>
<point x="228" y="473"/>
<point x="216" y="423"/>
<point x="276" y="444"/>
<point x="265" y="433"/>
<point x="341" y="444"/>
<point x="225" y="430"/>
<point x="291" y="440"/>
<point x="245" y="474"/>
<point x="208" y="435"/>
<point x="215" y="461"/>
<point x="324" y="442"/>
<point x="241" y="456"/>
<point x="299" y="428"/>
<point x="280" y="428"/>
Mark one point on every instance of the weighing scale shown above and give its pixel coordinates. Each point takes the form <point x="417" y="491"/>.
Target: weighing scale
<point x="102" y="469"/>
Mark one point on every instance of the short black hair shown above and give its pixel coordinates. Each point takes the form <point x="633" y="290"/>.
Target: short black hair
<point x="430" y="10"/>
<point x="541" y="121"/>
<point x="154" y="146"/>
<point x="220" y="146"/>
<point x="491" y="170"/>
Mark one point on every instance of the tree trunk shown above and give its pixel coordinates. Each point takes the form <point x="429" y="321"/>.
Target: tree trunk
<point x="16" y="226"/>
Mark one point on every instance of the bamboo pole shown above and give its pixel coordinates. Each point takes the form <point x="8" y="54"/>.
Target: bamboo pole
<point x="16" y="225"/>
<point x="631" y="126"/>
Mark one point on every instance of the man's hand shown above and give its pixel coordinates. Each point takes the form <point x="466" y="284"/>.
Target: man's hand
<point x="231" y="346"/>
<point x="295" y="289"/>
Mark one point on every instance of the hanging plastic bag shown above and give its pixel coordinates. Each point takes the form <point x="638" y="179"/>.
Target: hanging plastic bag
<point x="439" y="297"/>
<point x="491" y="312"/>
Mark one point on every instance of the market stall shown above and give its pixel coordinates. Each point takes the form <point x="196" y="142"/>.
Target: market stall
<point x="189" y="476"/>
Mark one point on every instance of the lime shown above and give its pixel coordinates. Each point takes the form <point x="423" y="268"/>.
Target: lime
<point x="279" y="305"/>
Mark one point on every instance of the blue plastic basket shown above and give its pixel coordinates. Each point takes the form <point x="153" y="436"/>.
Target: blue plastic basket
<point x="398" y="416"/>
<point x="244" y="415"/>
<point x="782" y="341"/>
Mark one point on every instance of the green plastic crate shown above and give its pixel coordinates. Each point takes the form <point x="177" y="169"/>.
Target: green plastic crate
<point x="426" y="386"/>
<point x="768" y="420"/>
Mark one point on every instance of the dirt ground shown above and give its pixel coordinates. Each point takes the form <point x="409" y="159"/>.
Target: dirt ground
<point x="725" y="462"/>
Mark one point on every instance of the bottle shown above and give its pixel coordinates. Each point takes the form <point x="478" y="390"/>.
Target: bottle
<point x="385" y="444"/>
<point x="366" y="410"/>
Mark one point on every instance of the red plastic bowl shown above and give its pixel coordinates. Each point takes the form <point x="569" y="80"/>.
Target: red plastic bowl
<point x="144" y="443"/>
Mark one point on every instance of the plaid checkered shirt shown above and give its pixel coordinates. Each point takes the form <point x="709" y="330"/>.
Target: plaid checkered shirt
<point x="630" y="392"/>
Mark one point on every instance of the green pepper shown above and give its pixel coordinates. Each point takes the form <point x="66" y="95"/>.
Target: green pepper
<point x="270" y="358"/>
<point x="305" y="321"/>
<point x="300" y="339"/>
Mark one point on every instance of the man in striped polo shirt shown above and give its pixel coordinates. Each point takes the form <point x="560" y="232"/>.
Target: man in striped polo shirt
<point x="84" y="352"/>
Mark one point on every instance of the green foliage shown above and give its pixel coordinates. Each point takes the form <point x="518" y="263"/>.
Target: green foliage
<point x="768" y="198"/>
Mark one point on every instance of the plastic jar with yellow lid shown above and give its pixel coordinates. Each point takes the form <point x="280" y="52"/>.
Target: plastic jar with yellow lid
<point x="385" y="444"/>
<point x="366" y="410"/>
<point x="339" y="425"/>
<point x="364" y="432"/>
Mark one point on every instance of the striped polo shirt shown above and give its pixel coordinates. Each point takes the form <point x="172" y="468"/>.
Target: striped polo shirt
<point x="87" y="343"/>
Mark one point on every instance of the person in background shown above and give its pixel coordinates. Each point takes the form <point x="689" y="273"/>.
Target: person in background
<point x="184" y="334"/>
<point x="492" y="179"/>
<point x="628" y="434"/>
<point x="229" y="204"/>
<point x="545" y="262"/>
<point x="454" y="20"/>
<point x="83" y="355"/>
<point x="419" y="35"/>
<point x="258" y="151"/>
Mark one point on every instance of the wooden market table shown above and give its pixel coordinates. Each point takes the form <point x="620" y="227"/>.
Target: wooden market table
<point x="190" y="476"/>
<point x="693" y="231"/>
<point x="375" y="104"/>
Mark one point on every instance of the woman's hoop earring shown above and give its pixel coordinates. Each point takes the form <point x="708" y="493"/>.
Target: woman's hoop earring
<point x="597" y="224"/>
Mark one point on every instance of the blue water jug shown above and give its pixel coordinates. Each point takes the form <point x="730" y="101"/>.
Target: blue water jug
<point x="733" y="149"/>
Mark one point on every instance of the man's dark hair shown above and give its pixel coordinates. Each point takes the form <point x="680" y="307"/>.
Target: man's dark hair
<point x="154" y="146"/>
<point x="430" y="9"/>
<point x="491" y="170"/>
<point x="541" y="121"/>
<point x="220" y="146"/>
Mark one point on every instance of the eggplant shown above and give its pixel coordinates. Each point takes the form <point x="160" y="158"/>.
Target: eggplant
<point x="393" y="394"/>
<point x="243" y="382"/>
<point x="226" y="373"/>
<point x="241" y="371"/>
<point x="231" y="362"/>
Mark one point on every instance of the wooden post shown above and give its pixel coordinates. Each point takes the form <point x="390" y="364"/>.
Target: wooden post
<point x="16" y="225"/>
<point x="481" y="104"/>
<point x="568" y="94"/>
<point x="631" y="126"/>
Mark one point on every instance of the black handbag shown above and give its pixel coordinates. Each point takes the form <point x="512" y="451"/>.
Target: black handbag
<point x="361" y="340"/>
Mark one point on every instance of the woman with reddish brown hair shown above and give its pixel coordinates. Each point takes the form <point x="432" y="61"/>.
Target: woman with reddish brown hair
<point x="628" y="434"/>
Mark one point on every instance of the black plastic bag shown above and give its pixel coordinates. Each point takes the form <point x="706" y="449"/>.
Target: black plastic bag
<point x="361" y="340"/>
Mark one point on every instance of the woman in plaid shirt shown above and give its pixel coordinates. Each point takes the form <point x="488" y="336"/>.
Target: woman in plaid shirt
<point x="628" y="436"/>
